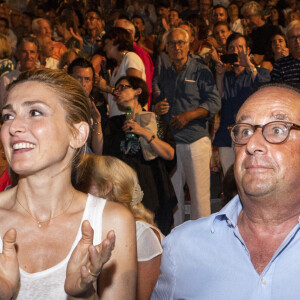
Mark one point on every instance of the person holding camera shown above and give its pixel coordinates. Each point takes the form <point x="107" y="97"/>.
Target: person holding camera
<point x="236" y="79"/>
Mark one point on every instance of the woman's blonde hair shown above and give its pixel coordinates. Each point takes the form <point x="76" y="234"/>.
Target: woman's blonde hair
<point x="96" y="175"/>
<point x="5" y="48"/>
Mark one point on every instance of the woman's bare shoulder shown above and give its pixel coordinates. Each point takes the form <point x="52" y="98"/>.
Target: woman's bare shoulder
<point x="7" y="198"/>
<point x="116" y="216"/>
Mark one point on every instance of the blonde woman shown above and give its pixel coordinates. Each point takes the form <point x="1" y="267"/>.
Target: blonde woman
<point x="55" y="239"/>
<point x="108" y="177"/>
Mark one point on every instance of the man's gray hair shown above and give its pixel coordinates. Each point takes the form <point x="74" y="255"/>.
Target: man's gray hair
<point x="127" y="25"/>
<point x="252" y="8"/>
<point x="36" y="24"/>
<point x="168" y="33"/>
<point x="292" y="25"/>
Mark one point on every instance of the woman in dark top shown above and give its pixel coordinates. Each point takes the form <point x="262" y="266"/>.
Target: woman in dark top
<point x="118" y="141"/>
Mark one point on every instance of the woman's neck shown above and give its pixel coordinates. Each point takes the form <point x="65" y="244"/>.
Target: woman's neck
<point x="135" y="108"/>
<point x="120" y="56"/>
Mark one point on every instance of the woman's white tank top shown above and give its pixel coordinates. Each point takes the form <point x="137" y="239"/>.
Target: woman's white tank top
<point x="49" y="284"/>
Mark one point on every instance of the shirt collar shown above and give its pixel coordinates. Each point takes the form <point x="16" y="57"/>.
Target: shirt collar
<point x="229" y="212"/>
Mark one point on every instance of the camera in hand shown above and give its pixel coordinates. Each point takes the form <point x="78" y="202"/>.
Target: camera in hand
<point x="229" y="58"/>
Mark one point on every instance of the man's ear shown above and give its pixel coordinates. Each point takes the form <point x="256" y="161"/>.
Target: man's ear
<point x="80" y="136"/>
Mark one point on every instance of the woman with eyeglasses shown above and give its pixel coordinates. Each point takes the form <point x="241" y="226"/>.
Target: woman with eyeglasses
<point x="147" y="149"/>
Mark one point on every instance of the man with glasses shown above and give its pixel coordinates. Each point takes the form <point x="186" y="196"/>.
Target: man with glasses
<point x="287" y="68"/>
<point x="188" y="99"/>
<point x="250" y="249"/>
<point x="95" y="31"/>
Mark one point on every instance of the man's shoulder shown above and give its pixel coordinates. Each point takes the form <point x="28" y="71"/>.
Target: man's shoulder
<point x="286" y="61"/>
<point x="189" y="229"/>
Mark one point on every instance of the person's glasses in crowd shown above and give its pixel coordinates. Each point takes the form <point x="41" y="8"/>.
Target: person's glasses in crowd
<point x="92" y="18"/>
<point x="274" y="132"/>
<point x="173" y="44"/>
<point x="122" y="87"/>
<point x="294" y="38"/>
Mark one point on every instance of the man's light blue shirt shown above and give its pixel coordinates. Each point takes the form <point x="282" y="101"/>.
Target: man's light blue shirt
<point x="207" y="259"/>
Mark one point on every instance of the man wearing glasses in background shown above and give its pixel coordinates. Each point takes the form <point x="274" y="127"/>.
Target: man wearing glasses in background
<point x="95" y="31"/>
<point x="250" y="249"/>
<point x="188" y="99"/>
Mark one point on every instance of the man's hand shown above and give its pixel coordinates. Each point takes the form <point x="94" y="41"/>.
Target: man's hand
<point x="220" y="69"/>
<point x="162" y="107"/>
<point x="179" y="121"/>
<point x="86" y="262"/>
<point x="9" y="266"/>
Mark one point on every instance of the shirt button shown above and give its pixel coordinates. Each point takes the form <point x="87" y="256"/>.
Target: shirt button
<point x="263" y="281"/>
<point x="229" y="222"/>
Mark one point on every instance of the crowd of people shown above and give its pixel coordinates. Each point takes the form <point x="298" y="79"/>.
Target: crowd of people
<point x="113" y="114"/>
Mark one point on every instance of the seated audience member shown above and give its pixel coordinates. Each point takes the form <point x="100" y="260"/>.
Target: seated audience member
<point x="144" y="56"/>
<point x="174" y="18"/>
<point x="235" y="82"/>
<point x="27" y="55"/>
<point x="45" y="125"/>
<point x="205" y="10"/>
<point x="203" y="43"/>
<point x="219" y="14"/>
<point x="26" y="20"/>
<point x="235" y="23"/>
<point x="66" y="28"/>
<point x="139" y="143"/>
<point x="293" y="15"/>
<point x="5" y="30"/>
<point x="277" y="18"/>
<point x="146" y="10"/>
<point x="192" y="9"/>
<point x="69" y="56"/>
<point x="277" y="49"/>
<point x="110" y="178"/>
<point x="145" y="41"/>
<point x="221" y="33"/>
<point x="6" y="65"/>
<point x="46" y="52"/>
<point x="287" y="68"/>
<point x="261" y="30"/>
<point x="189" y="28"/>
<point x="117" y="45"/>
<point x="94" y="33"/>
<point x="249" y="249"/>
<point x="82" y="70"/>
<point x="42" y="28"/>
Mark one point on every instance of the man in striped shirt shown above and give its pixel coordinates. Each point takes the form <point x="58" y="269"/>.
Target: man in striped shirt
<point x="287" y="68"/>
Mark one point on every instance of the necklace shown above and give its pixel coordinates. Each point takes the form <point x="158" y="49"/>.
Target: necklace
<point x="40" y="223"/>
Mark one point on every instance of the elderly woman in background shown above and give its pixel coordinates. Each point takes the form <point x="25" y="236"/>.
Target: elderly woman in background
<point x="110" y="178"/>
<point x="46" y="120"/>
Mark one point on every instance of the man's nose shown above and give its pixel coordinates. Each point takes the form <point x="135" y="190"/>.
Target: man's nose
<point x="257" y="142"/>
